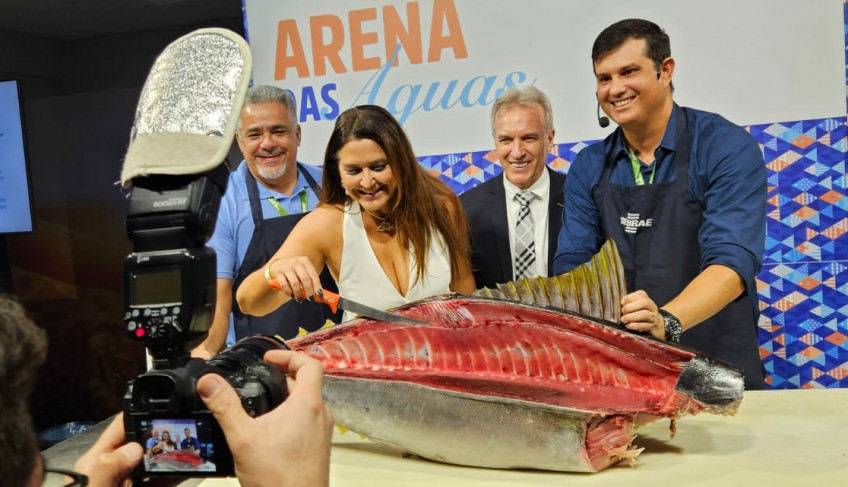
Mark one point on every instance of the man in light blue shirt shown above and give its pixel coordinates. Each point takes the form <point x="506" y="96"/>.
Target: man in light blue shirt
<point x="266" y="196"/>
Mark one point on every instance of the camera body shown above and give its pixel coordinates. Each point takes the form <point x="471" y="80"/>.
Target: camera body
<point x="166" y="401"/>
<point x="169" y="302"/>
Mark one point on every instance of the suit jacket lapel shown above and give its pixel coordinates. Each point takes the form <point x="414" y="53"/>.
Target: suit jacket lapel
<point x="556" y="201"/>
<point x="497" y="196"/>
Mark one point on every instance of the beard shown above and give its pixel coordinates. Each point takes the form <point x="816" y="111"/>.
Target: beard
<point x="272" y="173"/>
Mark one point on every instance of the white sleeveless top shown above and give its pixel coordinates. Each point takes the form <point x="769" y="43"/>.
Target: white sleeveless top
<point x="361" y="278"/>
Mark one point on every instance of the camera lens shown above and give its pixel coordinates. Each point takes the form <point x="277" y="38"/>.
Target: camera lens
<point x="246" y="353"/>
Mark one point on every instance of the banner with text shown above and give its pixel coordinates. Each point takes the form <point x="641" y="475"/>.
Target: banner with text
<point x="439" y="64"/>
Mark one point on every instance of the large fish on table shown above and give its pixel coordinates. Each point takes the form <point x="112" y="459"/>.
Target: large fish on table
<point x="496" y="383"/>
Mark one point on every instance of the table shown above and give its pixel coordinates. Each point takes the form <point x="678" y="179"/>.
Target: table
<point x="779" y="438"/>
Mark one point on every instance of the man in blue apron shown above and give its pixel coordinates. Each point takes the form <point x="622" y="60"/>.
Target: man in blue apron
<point x="682" y="192"/>
<point x="266" y="196"/>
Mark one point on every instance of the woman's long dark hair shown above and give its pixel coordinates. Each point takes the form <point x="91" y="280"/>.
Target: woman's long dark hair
<point x="422" y="202"/>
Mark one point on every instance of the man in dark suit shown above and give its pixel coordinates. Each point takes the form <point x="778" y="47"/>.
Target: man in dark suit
<point x="516" y="217"/>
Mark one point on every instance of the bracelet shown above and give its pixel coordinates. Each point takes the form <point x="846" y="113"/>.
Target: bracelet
<point x="268" y="271"/>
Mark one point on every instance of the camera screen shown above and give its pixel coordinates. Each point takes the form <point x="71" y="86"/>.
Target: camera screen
<point x="178" y="445"/>
<point x="157" y="285"/>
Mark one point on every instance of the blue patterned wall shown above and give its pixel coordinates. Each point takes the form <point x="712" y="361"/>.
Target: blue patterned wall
<point x="803" y="287"/>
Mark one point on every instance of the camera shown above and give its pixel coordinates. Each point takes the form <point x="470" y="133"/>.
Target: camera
<point x="161" y="404"/>
<point x="175" y="166"/>
<point x="169" y="301"/>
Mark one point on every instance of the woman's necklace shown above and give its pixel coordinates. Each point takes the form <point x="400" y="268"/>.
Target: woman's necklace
<point x="384" y="226"/>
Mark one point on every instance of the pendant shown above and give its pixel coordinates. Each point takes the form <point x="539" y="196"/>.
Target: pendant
<point x="386" y="227"/>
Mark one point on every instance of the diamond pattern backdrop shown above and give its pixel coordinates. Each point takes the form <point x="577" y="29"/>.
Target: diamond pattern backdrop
<point x="803" y="286"/>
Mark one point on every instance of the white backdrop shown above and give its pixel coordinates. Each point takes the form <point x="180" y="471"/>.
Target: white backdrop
<point x="753" y="61"/>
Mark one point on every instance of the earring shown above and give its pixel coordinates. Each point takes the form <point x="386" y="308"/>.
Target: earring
<point x="345" y="189"/>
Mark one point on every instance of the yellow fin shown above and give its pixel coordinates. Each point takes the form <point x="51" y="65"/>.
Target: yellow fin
<point x="344" y="431"/>
<point x="594" y="288"/>
<point x="301" y="331"/>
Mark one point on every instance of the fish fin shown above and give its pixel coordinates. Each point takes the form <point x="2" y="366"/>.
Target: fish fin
<point x="627" y="452"/>
<point x="594" y="288"/>
<point x="327" y="324"/>
<point x="344" y="430"/>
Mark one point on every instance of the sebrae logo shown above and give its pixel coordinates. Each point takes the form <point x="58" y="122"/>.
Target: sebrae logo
<point x="632" y="223"/>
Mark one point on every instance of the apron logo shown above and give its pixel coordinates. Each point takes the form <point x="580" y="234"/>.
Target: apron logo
<point x="632" y="223"/>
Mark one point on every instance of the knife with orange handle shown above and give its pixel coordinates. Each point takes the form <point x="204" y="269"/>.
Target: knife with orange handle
<point x="334" y="301"/>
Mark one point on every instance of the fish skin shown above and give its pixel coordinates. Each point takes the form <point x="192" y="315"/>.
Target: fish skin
<point x="500" y="384"/>
<point x="462" y="429"/>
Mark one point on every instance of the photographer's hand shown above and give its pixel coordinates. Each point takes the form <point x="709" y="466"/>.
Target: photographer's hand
<point x="109" y="462"/>
<point x="287" y="446"/>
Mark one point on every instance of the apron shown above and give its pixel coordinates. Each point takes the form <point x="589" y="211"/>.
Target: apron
<point x="266" y="240"/>
<point x="656" y="229"/>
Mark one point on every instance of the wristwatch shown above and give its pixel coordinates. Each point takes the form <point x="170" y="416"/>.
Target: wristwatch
<point x="673" y="328"/>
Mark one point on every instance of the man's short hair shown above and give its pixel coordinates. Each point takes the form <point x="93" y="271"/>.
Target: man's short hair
<point x="23" y="348"/>
<point x="657" y="41"/>
<point x="270" y="94"/>
<point x="527" y="97"/>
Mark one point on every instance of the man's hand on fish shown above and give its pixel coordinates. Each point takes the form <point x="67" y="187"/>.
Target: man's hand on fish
<point x="296" y="276"/>
<point x="640" y="313"/>
<point x="298" y="453"/>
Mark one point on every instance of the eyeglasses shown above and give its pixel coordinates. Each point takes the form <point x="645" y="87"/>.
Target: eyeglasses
<point x="56" y="477"/>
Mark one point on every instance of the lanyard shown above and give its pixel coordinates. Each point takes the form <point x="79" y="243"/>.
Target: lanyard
<point x="282" y="211"/>
<point x="637" y="169"/>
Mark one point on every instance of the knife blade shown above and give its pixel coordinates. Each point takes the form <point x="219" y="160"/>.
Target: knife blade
<point x="334" y="301"/>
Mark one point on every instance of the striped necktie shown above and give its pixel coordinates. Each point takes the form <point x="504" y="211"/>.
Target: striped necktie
<point x="524" y="252"/>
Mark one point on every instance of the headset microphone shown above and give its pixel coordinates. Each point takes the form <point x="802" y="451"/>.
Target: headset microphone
<point x="602" y="121"/>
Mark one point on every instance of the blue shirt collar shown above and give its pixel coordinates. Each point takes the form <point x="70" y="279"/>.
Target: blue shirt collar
<point x="667" y="143"/>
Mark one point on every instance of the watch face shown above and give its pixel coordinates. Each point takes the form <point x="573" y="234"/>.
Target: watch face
<point x="673" y="328"/>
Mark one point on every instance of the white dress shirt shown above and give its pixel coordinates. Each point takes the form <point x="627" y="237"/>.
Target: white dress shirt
<point x="541" y="190"/>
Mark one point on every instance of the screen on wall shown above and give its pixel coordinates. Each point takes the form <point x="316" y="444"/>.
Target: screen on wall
<point x="15" y="194"/>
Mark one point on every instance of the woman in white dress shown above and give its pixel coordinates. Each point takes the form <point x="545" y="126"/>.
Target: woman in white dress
<point x="164" y="446"/>
<point x="388" y="231"/>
